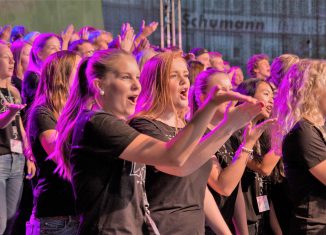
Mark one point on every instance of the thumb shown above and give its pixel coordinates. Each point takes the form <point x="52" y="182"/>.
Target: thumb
<point x="248" y="129"/>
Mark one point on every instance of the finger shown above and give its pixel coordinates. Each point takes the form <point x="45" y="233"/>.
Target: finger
<point x="142" y="24"/>
<point x="248" y="128"/>
<point x="29" y="174"/>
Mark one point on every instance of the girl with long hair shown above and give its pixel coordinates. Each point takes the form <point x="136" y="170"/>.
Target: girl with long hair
<point x="231" y="159"/>
<point x="21" y="52"/>
<point x="279" y="187"/>
<point x="53" y="196"/>
<point x="104" y="157"/>
<point x="256" y="181"/>
<point x="12" y="144"/>
<point x="301" y="112"/>
<point x="177" y="196"/>
<point x="44" y="45"/>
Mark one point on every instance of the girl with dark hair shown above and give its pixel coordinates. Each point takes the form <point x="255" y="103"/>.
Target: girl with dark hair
<point x="104" y="157"/>
<point x="53" y="196"/>
<point x="44" y="45"/>
<point x="256" y="186"/>
<point x="161" y="107"/>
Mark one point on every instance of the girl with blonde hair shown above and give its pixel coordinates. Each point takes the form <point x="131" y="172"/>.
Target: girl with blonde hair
<point x="301" y="112"/>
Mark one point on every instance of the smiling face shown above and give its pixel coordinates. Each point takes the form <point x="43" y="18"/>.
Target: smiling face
<point x="264" y="93"/>
<point x="121" y="88"/>
<point x="51" y="46"/>
<point x="6" y="62"/>
<point x="179" y="84"/>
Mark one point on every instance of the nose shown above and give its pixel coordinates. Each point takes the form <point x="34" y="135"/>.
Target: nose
<point x="136" y="85"/>
<point x="11" y="60"/>
<point x="184" y="80"/>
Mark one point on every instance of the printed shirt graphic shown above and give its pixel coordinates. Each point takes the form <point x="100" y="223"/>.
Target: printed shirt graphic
<point x="7" y="133"/>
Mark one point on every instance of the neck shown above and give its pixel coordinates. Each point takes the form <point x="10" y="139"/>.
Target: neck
<point x="260" y="76"/>
<point x="170" y="119"/>
<point x="3" y="82"/>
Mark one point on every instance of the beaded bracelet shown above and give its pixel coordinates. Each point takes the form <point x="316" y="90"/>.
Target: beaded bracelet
<point x="249" y="151"/>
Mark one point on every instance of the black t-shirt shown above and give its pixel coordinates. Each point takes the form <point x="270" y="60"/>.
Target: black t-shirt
<point x="17" y="82"/>
<point x="7" y="133"/>
<point x="254" y="185"/>
<point x="29" y="87"/>
<point x="109" y="191"/>
<point x="53" y="196"/>
<point x="176" y="203"/>
<point x="304" y="148"/>
<point x="226" y="204"/>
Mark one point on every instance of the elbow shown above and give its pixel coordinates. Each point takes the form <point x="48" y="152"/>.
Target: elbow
<point x="265" y="172"/>
<point x="226" y="192"/>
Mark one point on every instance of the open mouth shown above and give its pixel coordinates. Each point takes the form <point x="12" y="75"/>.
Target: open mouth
<point x="269" y="108"/>
<point x="184" y="93"/>
<point x="133" y="99"/>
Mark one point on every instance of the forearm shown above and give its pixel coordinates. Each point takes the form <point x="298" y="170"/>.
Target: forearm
<point x="150" y="151"/>
<point x="202" y="153"/>
<point x="266" y="166"/>
<point x="225" y="182"/>
<point x="239" y="216"/>
<point x="184" y="143"/>
<point x="213" y="215"/>
<point x="6" y="118"/>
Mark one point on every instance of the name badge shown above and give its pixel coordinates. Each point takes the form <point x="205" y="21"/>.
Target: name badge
<point x="16" y="146"/>
<point x="262" y="203"/>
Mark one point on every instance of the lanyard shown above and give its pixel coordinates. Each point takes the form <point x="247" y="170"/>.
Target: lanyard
<point x="13" y="124"/>
<point x="4" y="98"/>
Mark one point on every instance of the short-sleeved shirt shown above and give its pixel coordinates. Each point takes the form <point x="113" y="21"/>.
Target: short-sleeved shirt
<point x="176" y="203"/>
<point x="17" y="82"/>
<point x="303" y="148"/>
<point x="7" y="133"/>
<point x="53" y="196"/>
<point x="109" y="191"/>
<point x="226" y="204"/>
<point x="29" y="87"/>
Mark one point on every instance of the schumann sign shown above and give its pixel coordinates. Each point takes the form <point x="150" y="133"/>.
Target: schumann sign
<point x="242" y="23"/>
<point x="192" y="21"/>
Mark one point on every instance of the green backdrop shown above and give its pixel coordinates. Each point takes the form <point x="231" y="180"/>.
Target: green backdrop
<point x="51" y="15"/>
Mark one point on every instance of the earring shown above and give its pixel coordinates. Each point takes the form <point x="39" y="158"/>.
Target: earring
<point x="101" y="92"/>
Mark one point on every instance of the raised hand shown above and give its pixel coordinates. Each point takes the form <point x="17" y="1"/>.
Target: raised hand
<point x="144" y="44"/>
<point x="66" y="36"/>
<point x="127" y="37"/>
<point x="242" y="115"/>
<point x="219" y="96"/>
<point x="147" y="30"/>
<point x="252" y="134"/>
<point x="85" y="33"/>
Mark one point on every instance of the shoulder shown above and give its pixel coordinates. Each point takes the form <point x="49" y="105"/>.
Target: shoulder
<point x="304" y="130"/>
<point x="145" y="125"/>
